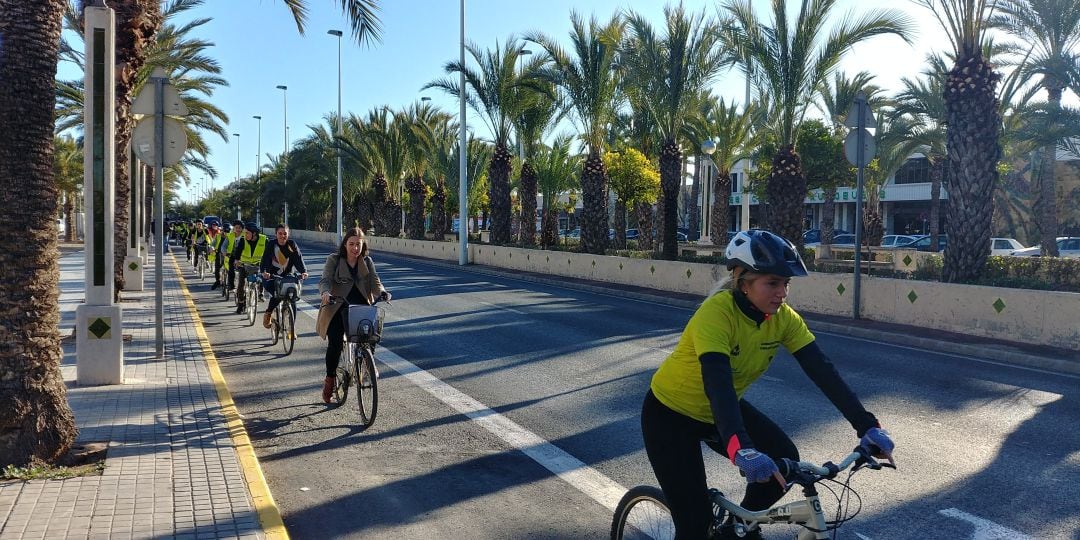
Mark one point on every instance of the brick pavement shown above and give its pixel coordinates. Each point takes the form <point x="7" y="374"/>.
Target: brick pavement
<point x="172" y="469"/>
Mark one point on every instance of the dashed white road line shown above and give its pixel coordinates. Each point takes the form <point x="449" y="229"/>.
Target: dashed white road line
<point x="570" y="469"/>
<point x="984" y="529"/>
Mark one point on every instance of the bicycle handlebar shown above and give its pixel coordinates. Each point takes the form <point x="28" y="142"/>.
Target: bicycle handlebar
<point x="335" y="299"/>
<point x="860" y="457"/>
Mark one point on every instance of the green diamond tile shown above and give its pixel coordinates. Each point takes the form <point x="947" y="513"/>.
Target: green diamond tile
<point x="528" y="257"/>
<point x="594" y="264"/>
<point x="907" y="260"/>
<point x="840" y="289"/>
<point x="548" y="259"/>
<point x="100" y="327"/>
<point x="652" y="269"/>
<point x="912" y="297"/>
<point x="567" y="262"/>
<point x="133" y="266"/>
<point x="688" y="272"/>
<point x="999" y="306"/>
<point x="620" y="266"/>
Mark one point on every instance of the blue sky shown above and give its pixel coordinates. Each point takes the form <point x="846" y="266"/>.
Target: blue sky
<point x="258" y="46"/>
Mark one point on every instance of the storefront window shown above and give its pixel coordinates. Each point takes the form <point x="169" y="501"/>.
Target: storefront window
<point x="913" y="171"/>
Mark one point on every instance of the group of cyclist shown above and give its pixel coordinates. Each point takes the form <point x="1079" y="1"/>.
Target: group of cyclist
<point x="349" y="274"/>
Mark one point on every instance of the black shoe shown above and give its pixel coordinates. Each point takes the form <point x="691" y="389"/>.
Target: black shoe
<point x="215" y="286"/>
<point x="239" y="309"/>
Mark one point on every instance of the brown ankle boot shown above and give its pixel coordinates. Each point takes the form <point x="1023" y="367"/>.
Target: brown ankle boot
<point x="328" y="388"/>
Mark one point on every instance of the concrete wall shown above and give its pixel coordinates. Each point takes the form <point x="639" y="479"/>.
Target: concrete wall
<point x="1038" y="317"/>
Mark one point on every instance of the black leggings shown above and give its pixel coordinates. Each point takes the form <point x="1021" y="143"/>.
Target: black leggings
<point x="335" y="333"/>
<point x="673" y="444"/>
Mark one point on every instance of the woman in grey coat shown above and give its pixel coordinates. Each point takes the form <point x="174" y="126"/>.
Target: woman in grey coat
<point x="348" y="274"/>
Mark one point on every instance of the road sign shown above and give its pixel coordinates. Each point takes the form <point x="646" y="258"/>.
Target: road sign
<point x="144" y="102"/>
<point x="851" y="147"/>
<point x="142" y="141"/>
<point x="851" y="120"/>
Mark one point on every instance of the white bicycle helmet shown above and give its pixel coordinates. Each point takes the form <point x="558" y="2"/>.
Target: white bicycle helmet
<point x="764" y="252"/>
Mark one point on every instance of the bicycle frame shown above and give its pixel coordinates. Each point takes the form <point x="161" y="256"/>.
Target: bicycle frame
<point x="806" y="512"/>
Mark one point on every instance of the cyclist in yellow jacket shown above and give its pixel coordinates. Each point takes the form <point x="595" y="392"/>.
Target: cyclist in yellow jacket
<point x="249" y="252"/>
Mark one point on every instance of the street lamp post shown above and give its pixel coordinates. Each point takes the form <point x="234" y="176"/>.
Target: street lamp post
<point x="237" y="135"/>
<point x="258" y="172"/>
<point x="285" y="156"/>
<point x="340" y="196"/>
<point x="463" y="181"/>
<point x="708" y="146"/>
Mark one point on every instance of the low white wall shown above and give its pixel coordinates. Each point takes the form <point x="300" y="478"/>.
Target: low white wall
<point x="1027" y="316"/>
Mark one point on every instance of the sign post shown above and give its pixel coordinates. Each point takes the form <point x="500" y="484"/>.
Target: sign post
<point x="859" y="149"/>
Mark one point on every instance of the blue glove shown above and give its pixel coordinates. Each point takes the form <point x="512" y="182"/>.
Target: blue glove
<point x="756" y="467"/>
<point x="878" y="443"/>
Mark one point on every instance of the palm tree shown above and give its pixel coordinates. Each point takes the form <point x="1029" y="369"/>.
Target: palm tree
<point x="588" y="82"/>
<point x="1052" y="29"/>
<point x="495" y="95"/>
<point x="923" y="101"/>
<point x="679" y="65"/>
<point x="973" y="146"/>
<point x="731" y="131"/>
<point x="38" y="423"/>
<point x="539" y="112"/>
<point x="68" y="171"/>
<point x="790" y="63"/>
<point x="555" y="167"/>
<point x="837" y="99"/>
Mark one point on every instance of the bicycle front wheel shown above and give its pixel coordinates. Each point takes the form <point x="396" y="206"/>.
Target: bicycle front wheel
<point x="643" y="514"/>
<point x="275" y="326"/>
<point x="252" y="297"/>
<point x="202" y="269"/>
<point x="367" y="387"/>
<point x="343" y="376"/>
<point x="288" y="330"/>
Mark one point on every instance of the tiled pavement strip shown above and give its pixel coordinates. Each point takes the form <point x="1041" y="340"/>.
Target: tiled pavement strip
<point x="172" y="470"/>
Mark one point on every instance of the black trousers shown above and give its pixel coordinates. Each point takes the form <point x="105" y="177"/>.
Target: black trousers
<point x="673" y="444"/>
<point x="335" y="333"/>
<point x="217" y="265"/>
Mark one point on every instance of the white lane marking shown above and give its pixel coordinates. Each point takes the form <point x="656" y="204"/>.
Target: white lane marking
<point x="570" y="469"/>
<point x="863" y="537"/>
<point x="497" y="306"/>
<point x="984" y="529"/>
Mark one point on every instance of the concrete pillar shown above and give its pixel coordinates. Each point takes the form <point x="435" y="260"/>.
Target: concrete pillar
<point x="134" y="262"/>
<point x="99" y="345"/>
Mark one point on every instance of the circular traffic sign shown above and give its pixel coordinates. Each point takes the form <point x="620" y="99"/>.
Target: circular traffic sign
<point x="142" y="141"/>
<point x="851" y="147"/>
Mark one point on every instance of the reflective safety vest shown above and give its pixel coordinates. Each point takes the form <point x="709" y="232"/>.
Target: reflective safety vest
<point x="253" y="256"/>
<point x="213" y="243"/>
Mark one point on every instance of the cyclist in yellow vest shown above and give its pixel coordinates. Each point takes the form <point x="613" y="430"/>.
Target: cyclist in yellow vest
<point x="698" y="392"/>
<point x="228" y="242"/>
<point x="249" y="252"/>
<point x="214" y="240"/>
<point x="199" y="242"/>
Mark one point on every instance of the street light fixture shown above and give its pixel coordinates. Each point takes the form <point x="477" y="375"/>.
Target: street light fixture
<point x="258" y="172"/>
<point x="340" y="195"/>
<point x="285" y="156"/>
<point x="708" y="146"/>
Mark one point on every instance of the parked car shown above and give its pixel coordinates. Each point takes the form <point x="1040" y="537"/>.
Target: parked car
<point x="922" y="243"/>
<point x="838" y="240"/>
<point x="207" y="219"/>
<point x="631" y="234"/>
<point x="813" y="236"/>
<point x="1068" y="246"/>
<point x="893" y="240"/>
<point x="1004" y="246"/>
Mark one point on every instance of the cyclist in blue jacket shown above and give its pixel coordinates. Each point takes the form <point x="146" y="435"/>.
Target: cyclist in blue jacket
<point x="697" y="393"/>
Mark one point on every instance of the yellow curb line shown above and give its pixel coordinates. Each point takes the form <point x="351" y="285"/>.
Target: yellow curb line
<point x="269" y="515"/>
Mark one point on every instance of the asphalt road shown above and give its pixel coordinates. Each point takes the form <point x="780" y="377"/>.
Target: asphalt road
<point x="509" y="409"/>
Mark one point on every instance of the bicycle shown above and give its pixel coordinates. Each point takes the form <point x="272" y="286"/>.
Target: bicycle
<point x="252" y="292"/>
<point x="283" y="322"/>
<point x="643" y="511"/>
<point x="363" y="330"/>
<point x="223" y="278"/>
<point x="203" y="266"/>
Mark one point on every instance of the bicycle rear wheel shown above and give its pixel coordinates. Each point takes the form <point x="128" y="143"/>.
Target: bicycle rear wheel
<point x="642" y="514"/>
<point x="367" y="386"/>
<point x="288" y="327"/>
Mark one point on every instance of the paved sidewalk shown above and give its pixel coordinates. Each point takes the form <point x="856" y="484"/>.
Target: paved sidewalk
<point x="172" y="470"/>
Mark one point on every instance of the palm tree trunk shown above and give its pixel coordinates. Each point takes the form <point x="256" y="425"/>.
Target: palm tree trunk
<point x="549" y="229"/>
<point x="786" y="195"/>
<point x="69" y="216"/>
<point x="645" y="226"/>
<point x="721" y="209"/>
<point x="1047" y="200"/>
<point x="499" y="170"/>
<point x="620" y="224"/>
<point x="438" y="210"/>
<point x="136" y="23"/>
<point x="670" y="177"/>
<point x="936" y="171"/>
<point x="417" y="194"/>
<point x="828" y="218"/>
<point x="594" y="195"/>
<point x="974" y="149"/>
<point x="528" y="204"/>
<point x="36" y="422"/>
